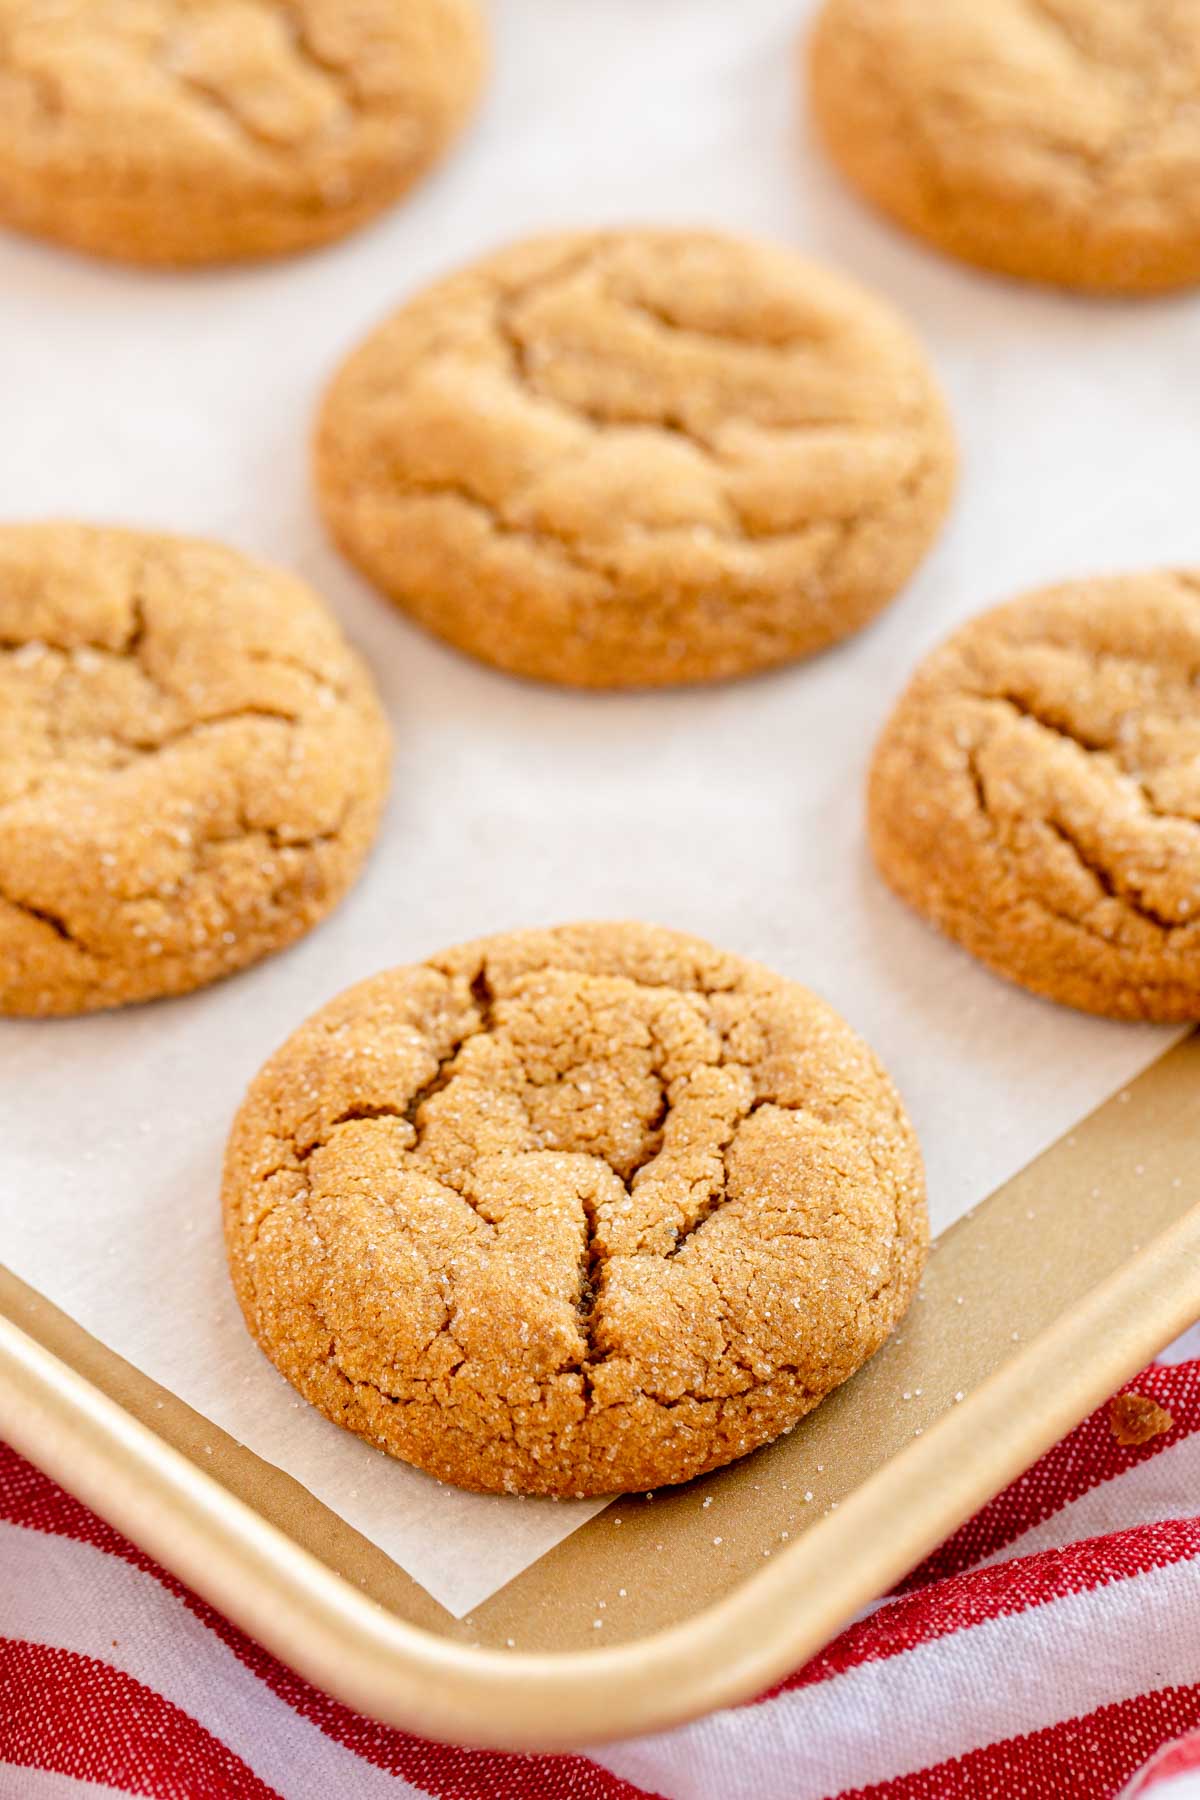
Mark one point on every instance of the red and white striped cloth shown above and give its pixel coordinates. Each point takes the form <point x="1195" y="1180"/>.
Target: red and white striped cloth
<point x="1051" y="1648"/>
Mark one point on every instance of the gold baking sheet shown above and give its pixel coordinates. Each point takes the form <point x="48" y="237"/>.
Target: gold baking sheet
<point x="1034" y="1307"/>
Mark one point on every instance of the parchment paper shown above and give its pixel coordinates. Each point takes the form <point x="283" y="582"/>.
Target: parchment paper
<point x="185" y="402"/>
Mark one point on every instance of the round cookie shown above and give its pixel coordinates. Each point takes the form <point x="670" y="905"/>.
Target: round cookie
<point x="636" y="458"/>
<point x="1036" y="793"/>
<point x="195" y="131"/>
<point x="573" y="1211"/>
<point x="192" y="765"/>
<point x="1056" y="140"/>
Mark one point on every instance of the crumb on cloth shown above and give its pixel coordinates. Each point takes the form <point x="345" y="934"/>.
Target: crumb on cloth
<point x="1135" y="1419"/>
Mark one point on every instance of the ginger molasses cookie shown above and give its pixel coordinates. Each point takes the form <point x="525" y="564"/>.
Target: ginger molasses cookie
<point x="196" y="131"/>
<point x="1036" y="793"/>
<point x="633" y="458"/>
<point x="192" y="765"/>
<point x="1058" y="140"/>
<point x="573" y="1211"/>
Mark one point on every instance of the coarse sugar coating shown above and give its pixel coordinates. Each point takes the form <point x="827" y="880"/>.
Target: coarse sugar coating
<point x="1036" y="793"/>
<point x="182" y="132"/>
<point x="1054" y="140"/>
<point x="637" y="458"/>
<point x="573" y="1211"/>
<point x="192" y="764"/>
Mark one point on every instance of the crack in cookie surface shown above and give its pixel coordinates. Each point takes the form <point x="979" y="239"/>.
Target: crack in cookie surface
<point x="313" y="96"/>
<point x="192" y="764"/>
<point x="573" y="1211"/>
<point x="1037" y="793"/>
<point x="642" y="457"/>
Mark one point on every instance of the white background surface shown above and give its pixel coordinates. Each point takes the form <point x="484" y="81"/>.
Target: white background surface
<point x="185" y="402"/>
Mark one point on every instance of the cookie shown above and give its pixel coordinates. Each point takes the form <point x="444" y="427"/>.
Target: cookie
<point x="192" y="765"/>
<point x="1055" y="140"/>
<point x="635" y="458"/>
<point x="197" y="131"/>
<point x="1036" y="793"/>
<point x="573" y="1211"/>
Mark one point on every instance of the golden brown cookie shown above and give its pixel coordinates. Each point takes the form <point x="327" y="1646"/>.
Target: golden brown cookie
<point x="634" y="458"/>
<point x="197" y="131"/>
<point x="1058" y="140"/>
<point x="573" y="1211"/>
<point x="192" y="765"/>
<point x="1036" y="793"/>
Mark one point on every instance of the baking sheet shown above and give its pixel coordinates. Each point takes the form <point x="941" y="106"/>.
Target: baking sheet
<point x="185" y="402"/>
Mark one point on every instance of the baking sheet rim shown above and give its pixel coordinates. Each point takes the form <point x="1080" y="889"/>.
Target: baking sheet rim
<point x="319" y="1624"/>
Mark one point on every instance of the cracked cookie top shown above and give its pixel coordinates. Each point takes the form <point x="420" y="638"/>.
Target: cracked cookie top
<point x="573" y="1211"/>
<point x="192" y="765"/>
<point x="1057" y="140"/>
<point x="1036" y="793"/>
<point x="192" y="131"/>
<point x="637" y="458"/>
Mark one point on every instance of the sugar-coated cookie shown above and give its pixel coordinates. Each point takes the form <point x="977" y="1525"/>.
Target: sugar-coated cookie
<point x="635" y="458"/>
<point x="197" y="131"/>
<point x="192" y="765"/>
<point x="1057" y="140"/>
<point x="1036" y="793"/>
<point x="573" y="1211"/>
